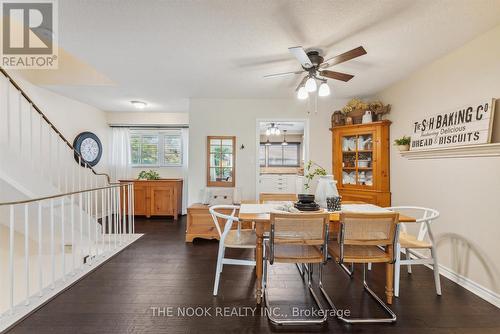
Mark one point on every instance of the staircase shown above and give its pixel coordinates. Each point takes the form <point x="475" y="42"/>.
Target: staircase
<point x="59" y="218"/>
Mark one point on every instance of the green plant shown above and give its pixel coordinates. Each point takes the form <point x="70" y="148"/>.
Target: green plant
<point x="312" y="169"/>
<point x="354" y="104"/>
<point x="402" y="141"/>
<point x="149" y="175"/>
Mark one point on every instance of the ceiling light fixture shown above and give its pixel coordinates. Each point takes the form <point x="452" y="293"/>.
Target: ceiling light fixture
<point x="273" y="130"/>
<point x="311" y="85"/>
<point x="302" y="93"/>
<point x="284" y="143"/>
<point x="139" y="104"/>
<point x="324" y="89"/>
<point x="267" y="143"/>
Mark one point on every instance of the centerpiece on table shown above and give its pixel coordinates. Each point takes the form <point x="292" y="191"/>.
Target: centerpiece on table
<point x="326" y="187"/>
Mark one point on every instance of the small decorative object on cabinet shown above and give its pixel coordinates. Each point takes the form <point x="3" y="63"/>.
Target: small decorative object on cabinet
<point x="361" y="162"/>
<point x="221" y="159"/>
<point x="161" y="197"/>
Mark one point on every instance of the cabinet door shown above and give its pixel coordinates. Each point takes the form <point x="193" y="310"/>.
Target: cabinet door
<point x="162" y="199"/>
<point x="358" y="161"/>
<point x="140" y="200"/>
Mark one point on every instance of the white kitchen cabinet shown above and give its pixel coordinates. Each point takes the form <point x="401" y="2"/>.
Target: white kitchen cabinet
<point x="280" y="183"/>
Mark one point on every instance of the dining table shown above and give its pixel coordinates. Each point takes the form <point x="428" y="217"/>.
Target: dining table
<point x="260" y="216"/>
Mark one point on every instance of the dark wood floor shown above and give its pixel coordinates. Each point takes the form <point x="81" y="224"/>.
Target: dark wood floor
<point x="161" y="270"/>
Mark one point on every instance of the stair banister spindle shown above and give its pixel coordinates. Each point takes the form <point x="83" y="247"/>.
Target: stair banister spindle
<point x="40" y="145"/>
<point x="52" y="245"/>
<point x="96" y="193"/>
<point x="103" y="217"/>
<point x="20" y="118"/>
<point x="7" y="113"/>
<point x="81" y="228"/>
<point x="129" y="211"/>
<point x="11" y="257"/>
<point x="26" y="254"/>
<point x="108" y="220"/>
<point x="133" y="208"/>
<point x="63" y="241"/>
<point x="72" y="219"/>
<point x="115" y="217"/>
<point x="89" y="214"/>
<point x="119" y="208"/>
<point x="40" y="265"/>
<point x="31" y="131"/>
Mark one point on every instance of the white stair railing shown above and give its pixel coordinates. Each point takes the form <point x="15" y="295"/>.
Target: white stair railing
<point x="27" y="134"/>
<point x="90" y="227"/>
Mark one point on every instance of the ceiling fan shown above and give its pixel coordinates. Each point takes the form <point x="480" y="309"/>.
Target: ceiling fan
<point x="315" y="65"/>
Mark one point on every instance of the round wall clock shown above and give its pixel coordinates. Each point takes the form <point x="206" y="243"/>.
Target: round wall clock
<point x="89" y="147"/>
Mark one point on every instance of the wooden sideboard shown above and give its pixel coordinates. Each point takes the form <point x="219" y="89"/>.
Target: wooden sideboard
<point x="201" y="225"/>
<point x="157" y="197"/>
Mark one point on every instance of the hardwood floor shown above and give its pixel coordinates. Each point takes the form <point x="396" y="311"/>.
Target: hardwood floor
<point x="161" y="270"/>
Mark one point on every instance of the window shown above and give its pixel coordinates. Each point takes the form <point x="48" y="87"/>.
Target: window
<point x="156" y="148"/>
<point x="277" y="155"/>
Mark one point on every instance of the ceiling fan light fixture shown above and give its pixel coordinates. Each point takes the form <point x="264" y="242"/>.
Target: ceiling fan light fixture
<point x="324" y="89"/>
<point x="277" y="132"/>
<point x="311" y="85"/>
<point x="302" y="93"/>
<point x="268" y="132"/>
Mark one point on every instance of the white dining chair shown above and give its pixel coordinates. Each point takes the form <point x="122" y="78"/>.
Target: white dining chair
<point x="230" y="238"/>
<point x="409" y="243"/>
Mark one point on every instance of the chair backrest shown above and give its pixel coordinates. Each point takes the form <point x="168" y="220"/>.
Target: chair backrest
<point x="299" y="228"/>
<point x="376" y="229"/>
<point x="276" y="197"/>
<point x="218" y="216"/>
<point x="423" y="216"/>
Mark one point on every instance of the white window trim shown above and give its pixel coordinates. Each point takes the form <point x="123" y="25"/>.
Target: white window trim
<point x="161" y="147"/>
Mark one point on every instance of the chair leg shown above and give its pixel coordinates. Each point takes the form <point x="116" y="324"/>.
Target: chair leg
<point x="408" y="257"/>
<point x="284" y="321"/>
<point x="218" y="269"/>
<point x="348" y="271"/>
<point x="436" y="271"/>
<point x="369" y="266"/>
<point x="397" y="270"/>
<point x="359" y="320"/>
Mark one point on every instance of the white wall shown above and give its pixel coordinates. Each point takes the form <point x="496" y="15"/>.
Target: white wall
<point x="70" y="116"/>
<point x="238" y="117"/>
<point x="465" y="191"/>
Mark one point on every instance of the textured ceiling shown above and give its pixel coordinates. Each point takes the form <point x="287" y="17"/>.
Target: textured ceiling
<point x="165" y="52"/>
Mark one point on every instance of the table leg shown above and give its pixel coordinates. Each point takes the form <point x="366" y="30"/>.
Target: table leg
<point x="389" y="280"/>
<point x="258" y="269"/>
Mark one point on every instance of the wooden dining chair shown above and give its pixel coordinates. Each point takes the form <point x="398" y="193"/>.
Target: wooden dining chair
<point x="230" y="238"/>
<point x="360" y="238"/>
<point x="276" y="197"/>
<point x="296" y="238"/>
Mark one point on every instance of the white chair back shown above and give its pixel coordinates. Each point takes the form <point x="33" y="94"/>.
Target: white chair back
<point x="423" y="216"/>
<point x="216" y="215"/>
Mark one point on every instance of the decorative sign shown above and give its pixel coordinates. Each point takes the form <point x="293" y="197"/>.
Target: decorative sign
<point x="466" y="125"/>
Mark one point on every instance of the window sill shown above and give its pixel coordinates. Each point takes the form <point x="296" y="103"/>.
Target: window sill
<point x="471" y="151"/>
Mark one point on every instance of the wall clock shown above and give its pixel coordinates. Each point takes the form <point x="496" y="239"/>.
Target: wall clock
<point x="89" y="147"/>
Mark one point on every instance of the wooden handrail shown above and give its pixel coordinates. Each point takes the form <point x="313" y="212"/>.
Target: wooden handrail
<point x="23" y="93"/>
<point x="112" y="185"/>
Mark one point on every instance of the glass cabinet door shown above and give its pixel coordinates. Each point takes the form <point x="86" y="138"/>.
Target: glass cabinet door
<point x="357" y="160"/>
<point x="220" y="161"/>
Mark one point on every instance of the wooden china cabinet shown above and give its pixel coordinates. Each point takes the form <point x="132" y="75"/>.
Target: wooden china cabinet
<point x="361" y="162"/>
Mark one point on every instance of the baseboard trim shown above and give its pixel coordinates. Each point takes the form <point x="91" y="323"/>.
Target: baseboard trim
<point x="477" y="289"/>
<point x="467" y="283"/>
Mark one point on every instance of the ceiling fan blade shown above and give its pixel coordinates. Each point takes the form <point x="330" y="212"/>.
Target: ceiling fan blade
<point x="302" y="82"/>
<point x="301" y="56"/>
<point x="354" y="53"/>
<point x="336" y="75"/>
<point x="282" y="74"/>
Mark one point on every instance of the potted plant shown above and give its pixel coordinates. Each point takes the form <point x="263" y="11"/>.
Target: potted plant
<point x="148" y="175"/>
<point x="403" y="143"/>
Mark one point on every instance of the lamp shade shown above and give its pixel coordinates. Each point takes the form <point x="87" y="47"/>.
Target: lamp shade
<point x="311" y="85"/>
<point x="324" y="89"/>
<point x="302" y="93"/>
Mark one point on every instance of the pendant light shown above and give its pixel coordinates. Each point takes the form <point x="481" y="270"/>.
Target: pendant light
<point x="302" y="93"/>
<point x="324" y="90"/>
<point x="284" y="143"/>
<point x="311" y="85"/>
<point x="267" y="143"/>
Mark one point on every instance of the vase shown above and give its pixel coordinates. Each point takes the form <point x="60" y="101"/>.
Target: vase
<point x="327" y="187"/>
<point x="403" y="148"/>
